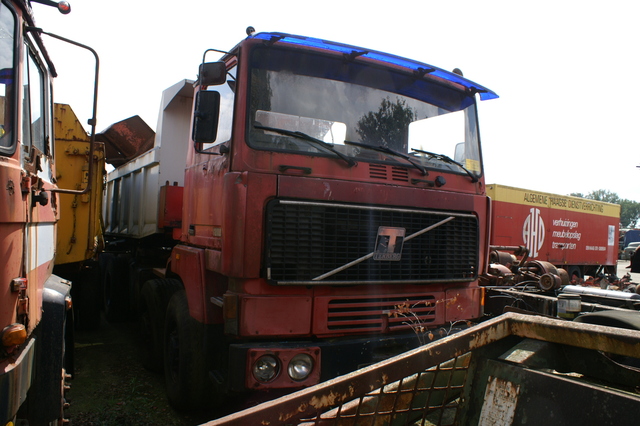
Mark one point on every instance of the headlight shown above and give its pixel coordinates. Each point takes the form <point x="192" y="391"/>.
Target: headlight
<point x="300" y="367"/>
<point x="265" y="368"/>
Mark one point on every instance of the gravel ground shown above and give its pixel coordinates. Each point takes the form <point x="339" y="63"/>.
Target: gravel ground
<point x="110" y="386"/>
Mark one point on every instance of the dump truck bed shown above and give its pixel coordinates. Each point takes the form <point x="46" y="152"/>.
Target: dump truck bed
<point x="134" y="205"/>
<point x="509" y="370"/>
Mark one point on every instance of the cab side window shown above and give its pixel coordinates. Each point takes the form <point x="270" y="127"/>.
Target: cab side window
<point x="227" y="99"/>
<point x="33" y="120"/>
<point x="7" y="79"/>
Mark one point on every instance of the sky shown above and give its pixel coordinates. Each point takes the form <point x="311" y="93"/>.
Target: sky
<point x="565" y="122"/>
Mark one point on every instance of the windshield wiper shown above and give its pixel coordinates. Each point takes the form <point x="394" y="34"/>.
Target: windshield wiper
<point x="447" y="159"/>
<point x="307" y="138"/>
<point x="389" y="151"/>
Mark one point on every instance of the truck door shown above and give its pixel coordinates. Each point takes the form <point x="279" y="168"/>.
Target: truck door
<point x="36" y="158"/>
<point x="214" y="157"/>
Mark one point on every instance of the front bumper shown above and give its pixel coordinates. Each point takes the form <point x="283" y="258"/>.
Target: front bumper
<point x="336" y="356"/>
<point x="15" y="380"/>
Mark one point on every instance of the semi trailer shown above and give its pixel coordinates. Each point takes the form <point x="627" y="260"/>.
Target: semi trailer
<point x="576" y="234"/>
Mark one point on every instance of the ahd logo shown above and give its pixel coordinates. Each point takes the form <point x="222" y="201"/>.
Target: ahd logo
<point x="533" y="232"/>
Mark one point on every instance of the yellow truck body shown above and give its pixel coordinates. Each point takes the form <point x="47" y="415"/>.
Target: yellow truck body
<point x="79" y="229"/>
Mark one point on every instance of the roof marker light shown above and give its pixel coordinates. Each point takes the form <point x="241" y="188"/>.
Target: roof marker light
<point x="64" y="7"/>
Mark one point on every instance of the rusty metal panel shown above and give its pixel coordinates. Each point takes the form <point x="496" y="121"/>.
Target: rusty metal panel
<point x="449" y="381"/>
<point x="499" y="405"/>
<point x="514" y="394"/>
<point x="126" y="140"/>
<point x="67" y="126"/>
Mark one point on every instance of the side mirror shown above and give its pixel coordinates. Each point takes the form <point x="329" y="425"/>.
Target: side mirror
<point x="205" y="116"/>
<point x="212" y="74"/>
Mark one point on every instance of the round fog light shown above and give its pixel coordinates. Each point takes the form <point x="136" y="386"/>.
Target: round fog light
<point x="300" y="367"/>
<point x="265" y="368"/>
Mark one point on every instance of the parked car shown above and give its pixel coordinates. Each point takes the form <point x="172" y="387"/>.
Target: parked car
<point x="629" y="250"/>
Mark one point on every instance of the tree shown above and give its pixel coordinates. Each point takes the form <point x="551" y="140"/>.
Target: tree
<point x="389" y="126"/>
<point x="629" y="213"/>
<point x="604" y="195"/>
<point x="629" y="210"/>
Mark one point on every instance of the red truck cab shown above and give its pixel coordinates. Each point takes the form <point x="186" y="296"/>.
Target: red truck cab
<point x="334" y="214"/>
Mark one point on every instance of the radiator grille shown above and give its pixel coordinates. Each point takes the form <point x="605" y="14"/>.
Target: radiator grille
<point x="305" y="240"/>
<point x="380" y="313"/>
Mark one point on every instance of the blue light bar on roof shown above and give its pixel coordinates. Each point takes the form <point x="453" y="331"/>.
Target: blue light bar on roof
<point x="485" y="94"/>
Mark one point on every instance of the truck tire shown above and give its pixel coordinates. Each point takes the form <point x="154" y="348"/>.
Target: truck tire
<point x="185" y="372"/>
<point x="115" y="287"/>
<point x="154" y="298"/>
<point x="53" y="358"/>
<point x="138" y="276"/>
<point x="574" y="270"/>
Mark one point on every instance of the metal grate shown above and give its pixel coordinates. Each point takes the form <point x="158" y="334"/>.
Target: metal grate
<point x="399" y="174"/>
<point x="377" y="171"/>
<point x="381" y="171"/>
<point x="306" y="240"/>
<point x="430" y="397"/>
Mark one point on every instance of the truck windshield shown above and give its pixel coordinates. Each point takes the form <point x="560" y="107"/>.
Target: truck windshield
<point x="338" y="101"/>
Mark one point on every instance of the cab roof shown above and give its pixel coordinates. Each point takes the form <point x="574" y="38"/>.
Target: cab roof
<point x="352" y="52"/>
